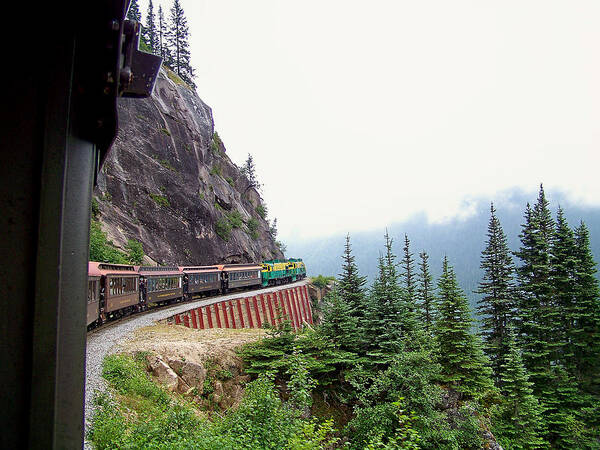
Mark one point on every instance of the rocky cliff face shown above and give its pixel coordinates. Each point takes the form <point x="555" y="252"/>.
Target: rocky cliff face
<point x="169" y="184"/>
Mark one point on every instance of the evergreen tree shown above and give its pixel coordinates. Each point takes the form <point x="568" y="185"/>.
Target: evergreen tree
<point x="249" y="171"/>
<point x="351" y="284"/>
<point x="339" y="324"/>
<point x="163" y="49"/>
<point x="178" y="36"/>
<point x="517" y="422"/>
<point x="150" y="33"/>
<point x="536" y="312"/>
<point x="497" y="287"/>
<point x="586" y="314"/>
<point x="133" y="13"/>
<point x="408" y="273"/>
<point x="464" y="366"/>
<point x="563" y="278"/>
<point x="273" y="229"/>
<point x="425" y="293"/>
<point x="385" y="314"/>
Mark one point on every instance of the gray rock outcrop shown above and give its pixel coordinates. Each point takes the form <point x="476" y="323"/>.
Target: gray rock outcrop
<point x="169" y="184"/>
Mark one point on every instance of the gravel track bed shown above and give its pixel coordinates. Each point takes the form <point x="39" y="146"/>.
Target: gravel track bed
<point x="106" y="339"/>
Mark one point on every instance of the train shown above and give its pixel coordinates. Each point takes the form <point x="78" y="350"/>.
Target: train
<point x="117" y="290"/>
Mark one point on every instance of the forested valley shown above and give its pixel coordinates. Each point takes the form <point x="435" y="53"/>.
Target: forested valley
<point x="401" y="364"/>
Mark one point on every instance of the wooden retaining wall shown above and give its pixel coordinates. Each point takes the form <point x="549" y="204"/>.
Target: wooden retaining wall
<point x="251" y="312"/>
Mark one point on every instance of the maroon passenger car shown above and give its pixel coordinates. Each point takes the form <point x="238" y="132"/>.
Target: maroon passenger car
<point x="160" y="284"/>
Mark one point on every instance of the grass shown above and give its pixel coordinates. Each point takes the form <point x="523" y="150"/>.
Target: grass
<point x="160" y="200"/>
<point x="163" y="162"/>
<point x="165" y="131"/>
<point x="175" y="78"/>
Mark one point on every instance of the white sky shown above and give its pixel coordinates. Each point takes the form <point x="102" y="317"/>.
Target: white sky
<point x="360" y="114"/>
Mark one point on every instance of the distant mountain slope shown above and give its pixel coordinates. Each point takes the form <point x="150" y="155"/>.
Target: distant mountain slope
<point x="461" y="240"/>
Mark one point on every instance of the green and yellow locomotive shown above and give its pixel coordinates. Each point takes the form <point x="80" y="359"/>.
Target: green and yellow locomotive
<point x="281" y="271"/>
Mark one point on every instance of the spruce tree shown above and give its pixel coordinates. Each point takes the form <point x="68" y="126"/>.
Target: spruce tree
<point x="178" y="36"/>
<point x="163" y="49"/>
<point x="535" y="309"/>
<point x="385" y="324"/>
<point x="563" y="279"/>
<point x="408" y="273"/>
<point x="339" y="324"/>
<point x="497" y="287"/>
<point x="586" y="329"/>
<point x="517" y="422"/>
<point x="150" y="33"/>
<point x="133" y="13"/>
<point x="351" y="284"/>
<point x="425" y="293"/>
<point x="464" y="366"/>
<point x="249" y="172"/>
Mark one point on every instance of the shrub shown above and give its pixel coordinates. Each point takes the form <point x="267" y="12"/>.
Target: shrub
<point x="235" y="218"/>
<point x="252" y="225"/>
<point x="101" y="249"/>
<point x="216" y="170"/>
<point x="230" y="181"/>
<point x="261" y="211"/>
<point x="223" y="229"/>
<point x="135" y="251"/>
<point x="216" y="144"/>
<point x="321" y="281"/>
<point x="95" y="208"/>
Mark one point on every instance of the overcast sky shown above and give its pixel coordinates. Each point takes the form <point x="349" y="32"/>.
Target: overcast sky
<point x="361" y="114"/>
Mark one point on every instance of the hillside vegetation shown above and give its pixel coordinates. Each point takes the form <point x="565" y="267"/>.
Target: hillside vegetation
<point x="398" y="365"/>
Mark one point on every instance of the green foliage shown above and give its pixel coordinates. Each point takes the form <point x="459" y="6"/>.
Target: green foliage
<point x="135" y="251"/>
<point x="216" y="170"/>
<point x="95" y="208"/>
<point x="497" y="304"/>
<point x="261" y="210"/>
<point x="163" y="162"/>
<point x="146" y="416"/>
<point x="101" y="249"/>
<point x="165" y="131"/>
<point x="321" y="281"/>
<point x="235" y="218"/>
<point x="223" y="229"/>
<point x="464" y="367"/>
<point x="281" y="246"/>
<point x="252" y="225"/>
<point x="230" y="181"/>
<point x="160" y="200"/>
<point x="425" y="294"/>
<point x="301" y="384"/>
<point x="517" y="421"/>
<point x="106" y="196"/>
<point x="216" y="144"/>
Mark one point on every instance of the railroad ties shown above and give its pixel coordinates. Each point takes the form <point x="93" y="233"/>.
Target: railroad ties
<point x="291" y="304"/>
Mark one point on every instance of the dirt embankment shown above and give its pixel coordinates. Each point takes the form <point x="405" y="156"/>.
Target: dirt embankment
<point x="199" y="364"/>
